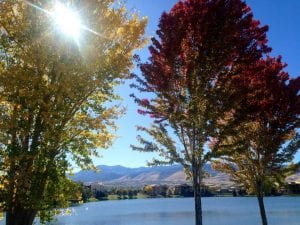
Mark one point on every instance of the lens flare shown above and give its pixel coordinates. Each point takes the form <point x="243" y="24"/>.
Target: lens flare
<point x="67" y="21"/>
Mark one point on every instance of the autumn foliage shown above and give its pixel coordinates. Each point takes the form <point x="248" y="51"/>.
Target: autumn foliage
<point x="213" y="40"/>
<point x="53" y="97"/>
<point x="259" y="137"/>
<point x="204" y="48"/>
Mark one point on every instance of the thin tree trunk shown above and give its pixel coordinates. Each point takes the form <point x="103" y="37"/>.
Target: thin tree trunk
<point x="260" y="198"/>
<point x="20" y="216"/>
<point x="198" y="207"/>
<point x="262" y="210"/>
<point x="197" y="195"/>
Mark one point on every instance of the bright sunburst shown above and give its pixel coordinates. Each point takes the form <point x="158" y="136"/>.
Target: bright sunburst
<point x="67" y="21"/>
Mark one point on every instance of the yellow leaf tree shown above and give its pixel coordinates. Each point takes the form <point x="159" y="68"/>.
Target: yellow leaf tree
<point x="54" y="89"/>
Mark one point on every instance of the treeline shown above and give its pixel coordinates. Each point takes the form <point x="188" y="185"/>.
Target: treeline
<point x="148" y="191"/>
<point x="93" y="192"/>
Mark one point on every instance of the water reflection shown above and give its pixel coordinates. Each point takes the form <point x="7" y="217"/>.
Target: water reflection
<point x="216" y="211"/>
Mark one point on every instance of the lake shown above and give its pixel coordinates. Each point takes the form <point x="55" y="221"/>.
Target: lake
<point x="179" y="211"/>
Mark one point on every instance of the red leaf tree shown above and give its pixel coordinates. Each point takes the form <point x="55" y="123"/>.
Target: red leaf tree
<point x="259" y="136"/>
<point x="201" y="46"/>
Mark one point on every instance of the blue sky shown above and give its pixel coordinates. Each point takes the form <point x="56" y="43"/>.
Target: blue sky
<point x="283" y="18"/>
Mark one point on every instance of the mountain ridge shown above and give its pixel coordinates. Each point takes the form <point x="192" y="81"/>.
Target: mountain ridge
<point x="121" y="175"/>
<point x="170" y="175"/>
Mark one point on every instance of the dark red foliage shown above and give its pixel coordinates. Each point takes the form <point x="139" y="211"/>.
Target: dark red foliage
<point x="201" y="43"/>
<point x="142" y="112"/>
<point x="270" y="95"/>
<point x="271" y="98"/>
<point x="145" y="102"/>
<point x="210" y="60"/>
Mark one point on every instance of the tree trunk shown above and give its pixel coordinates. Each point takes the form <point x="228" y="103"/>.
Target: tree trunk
<point x="20" y="216"/>
<point x="260" y="198"/>
<point x="198" y="206"/>
<point x="262" y="210"/>
<point x="197" y="195"/>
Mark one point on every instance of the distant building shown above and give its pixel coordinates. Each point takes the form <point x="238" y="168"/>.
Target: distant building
<point x="293" y="188"/>
<point x="155" y="190"/>
<point x="97" y="186"/>
<point x="184" y="190"/>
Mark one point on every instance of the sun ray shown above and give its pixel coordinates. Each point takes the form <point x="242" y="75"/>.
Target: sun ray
<point x="37" y="7"/>
<point x="66" y="20"/>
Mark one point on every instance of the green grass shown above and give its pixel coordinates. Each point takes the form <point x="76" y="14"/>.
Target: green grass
<point x="113" y="197"/>
<point x="92" y="200"/>
<point x="141" y="196"/>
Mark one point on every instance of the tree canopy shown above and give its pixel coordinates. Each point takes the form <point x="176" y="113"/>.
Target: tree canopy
<point x="201" y="46"/>
<point x="259" y="137"/>
<point x="55" y="94"/>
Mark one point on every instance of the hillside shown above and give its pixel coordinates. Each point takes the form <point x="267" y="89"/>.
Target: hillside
<point x="119" y="175"/>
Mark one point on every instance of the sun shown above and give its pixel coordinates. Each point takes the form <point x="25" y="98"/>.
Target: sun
<point x="67" y="21"/>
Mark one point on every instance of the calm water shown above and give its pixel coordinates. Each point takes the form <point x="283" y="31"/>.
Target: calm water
<point x="216" y="211"/>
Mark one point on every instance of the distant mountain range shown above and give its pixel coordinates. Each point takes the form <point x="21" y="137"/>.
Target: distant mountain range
<point x="119" y="175"/>
<point x="171" y="175"/>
